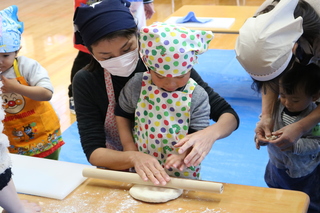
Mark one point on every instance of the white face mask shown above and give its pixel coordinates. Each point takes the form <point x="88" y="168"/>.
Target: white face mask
<point x="122" y="65"/>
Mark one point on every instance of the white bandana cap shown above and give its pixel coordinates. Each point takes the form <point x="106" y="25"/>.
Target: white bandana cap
<point x="264" y="45"/>
<point x="170" y="50"/>
<point x="10" y="30"/>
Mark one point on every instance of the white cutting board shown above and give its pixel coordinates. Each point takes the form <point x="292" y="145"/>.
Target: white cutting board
<point x="44" y="177"/>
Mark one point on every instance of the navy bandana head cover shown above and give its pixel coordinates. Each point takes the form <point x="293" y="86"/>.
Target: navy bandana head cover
<point x="95" y="21"/>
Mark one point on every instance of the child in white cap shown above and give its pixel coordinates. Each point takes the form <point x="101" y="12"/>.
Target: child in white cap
<point x="31" y="123"/>
<point x="283" y="31"/>
<point x="297" y="167"/>
<point x="165" y="102"/>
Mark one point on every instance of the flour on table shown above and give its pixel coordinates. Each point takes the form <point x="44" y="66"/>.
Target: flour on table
<point x="154" y="194"/>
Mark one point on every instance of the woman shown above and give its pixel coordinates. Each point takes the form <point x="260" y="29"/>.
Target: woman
<point x="109" y="32"/>
<point x="281" y="32"/>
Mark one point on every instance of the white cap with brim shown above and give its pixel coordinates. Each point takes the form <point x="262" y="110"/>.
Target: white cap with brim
<point x="264" y="45"/>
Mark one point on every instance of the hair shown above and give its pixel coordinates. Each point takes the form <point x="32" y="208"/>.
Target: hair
<point x="311" y="31"/>
<point x="303" y="78"/>
<point x="126" y="33"/>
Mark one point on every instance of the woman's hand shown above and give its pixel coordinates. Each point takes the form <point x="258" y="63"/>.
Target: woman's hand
<point x="263" y="131"/>
<point x="201" y="143"/>
<point x="148" y="168"/>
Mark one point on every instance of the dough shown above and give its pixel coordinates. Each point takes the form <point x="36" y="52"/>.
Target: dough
<point x="272" y="137"/>
<point x="154" y="194"/>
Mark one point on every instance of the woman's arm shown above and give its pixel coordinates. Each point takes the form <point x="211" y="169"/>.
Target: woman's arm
<point x="91" y="104"/>
<point x="222" y="113"/>
<point x="265" y="125"/>
<point x="203" y="140"/>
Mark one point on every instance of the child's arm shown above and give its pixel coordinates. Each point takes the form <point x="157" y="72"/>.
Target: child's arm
<point x="177" y="161"/>
<point x="34" y="92"/>
<point x="10" y="201"/>
<point x="125" y="133"/>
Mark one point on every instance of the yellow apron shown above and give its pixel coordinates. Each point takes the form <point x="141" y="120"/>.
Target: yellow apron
<point x="32" y="127"/>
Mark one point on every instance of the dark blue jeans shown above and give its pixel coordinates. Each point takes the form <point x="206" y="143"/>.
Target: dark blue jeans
<point x="309" y="184"/>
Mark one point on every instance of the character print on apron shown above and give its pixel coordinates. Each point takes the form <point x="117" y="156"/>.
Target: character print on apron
<point x="161" y="120"/>
<point x="32" y="126"/>
<point x="110" y="125"/>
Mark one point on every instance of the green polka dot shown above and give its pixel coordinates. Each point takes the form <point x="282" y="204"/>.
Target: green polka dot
<point x="144" y="92"/>
<point x="145" y="38"/>
<point x="150" y="114"/>
<point x="176" y="41"/>
<point x="151" y="35"/>
<point x="184" y="98"/>
<point x="163" y="35"/>
<point x="189" y="104"/>
<point x="158" y="108"/>
<point x="153" y="146"/>
<point x="158" y="100"/>
<point x="184" y="43"/>
<point x="176" y="63"/>
<point x="192" y="37"/>
<point x="171" y="49"/>
<point x="192" y="45"/>
<point x="166" y="67"/>
<point x="166" y="113"/>
<point x="203" y="32"/>
<point x="178" y="114"/>
<point x="183" y="109"/>
<point x="171" y="131"/>
<point x="169" y="101"/>
<point x="167" y="29"/>
<point x="142" y="120"/>
<point x="177" y="174"/>
<point x="165" y="141"/>
<point x="154" y="52"/>
<point x="152" y="129"/>
<point x="159" y="116"/>
<point x="145" y="112"/>
<point x="185" y="127"/>
<point x="199" y="44"/>
<point x="147" y="134"/>
<point x="186" y="56"/>
<point x="140" y="148"/>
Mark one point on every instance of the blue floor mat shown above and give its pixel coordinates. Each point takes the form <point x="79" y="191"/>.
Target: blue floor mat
<point x="233" y="159"/>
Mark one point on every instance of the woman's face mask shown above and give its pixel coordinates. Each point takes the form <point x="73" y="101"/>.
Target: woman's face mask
<point x="122" y="65"/>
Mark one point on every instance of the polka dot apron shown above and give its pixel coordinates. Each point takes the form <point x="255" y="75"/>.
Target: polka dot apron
<point x="161" y="120"/>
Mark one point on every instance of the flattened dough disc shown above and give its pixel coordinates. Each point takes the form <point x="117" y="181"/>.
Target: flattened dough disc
<point x="154" y="194"/>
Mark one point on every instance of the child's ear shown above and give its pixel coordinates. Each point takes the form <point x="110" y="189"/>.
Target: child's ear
<point x="18" y="51"/>
<point x="316" y="96"/>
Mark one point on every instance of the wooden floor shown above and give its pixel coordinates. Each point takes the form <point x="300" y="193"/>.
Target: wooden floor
<point x="49" y="31"/>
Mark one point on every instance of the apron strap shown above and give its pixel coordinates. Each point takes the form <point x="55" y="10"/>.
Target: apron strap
<point x="16" y="68"/>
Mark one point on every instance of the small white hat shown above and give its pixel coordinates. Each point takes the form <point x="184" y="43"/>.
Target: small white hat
<point x="264" y="45"/>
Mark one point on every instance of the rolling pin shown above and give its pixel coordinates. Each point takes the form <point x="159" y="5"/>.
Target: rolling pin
<point x="129" y="177"/>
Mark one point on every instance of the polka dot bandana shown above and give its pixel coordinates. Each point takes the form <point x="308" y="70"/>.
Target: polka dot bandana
<point x="170" y="50"/>
<point x="10" y="30"/>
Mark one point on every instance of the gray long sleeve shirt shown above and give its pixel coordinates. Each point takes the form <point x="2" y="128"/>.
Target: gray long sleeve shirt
<point x="305" y="156"/>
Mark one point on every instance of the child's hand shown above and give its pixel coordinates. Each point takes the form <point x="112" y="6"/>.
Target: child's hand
<point x="9" y="85"/>
<point x="175" y="161"/>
